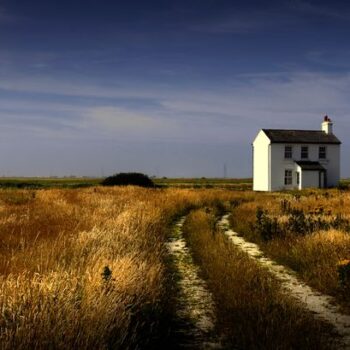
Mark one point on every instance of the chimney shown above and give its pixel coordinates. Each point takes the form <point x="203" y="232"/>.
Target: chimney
<point x="327" y="125"/>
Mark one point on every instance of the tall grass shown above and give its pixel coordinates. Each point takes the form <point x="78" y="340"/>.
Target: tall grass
<point x="253" y="312"/>
<point x="86" y="268"/>
<point x="309" y="232"/>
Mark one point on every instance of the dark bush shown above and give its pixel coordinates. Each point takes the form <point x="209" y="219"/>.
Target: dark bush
<point x="124" y="179"/>
<point x="298" y="223"/>
<point x="267" y="228"/>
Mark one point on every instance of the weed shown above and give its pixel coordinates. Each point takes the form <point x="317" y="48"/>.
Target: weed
<point x="266" y="227"/>
<point x="106" y="274"/>
<point x="344" y="274"/>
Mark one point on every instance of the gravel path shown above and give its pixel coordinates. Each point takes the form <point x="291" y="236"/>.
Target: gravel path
<point x="323" y="306"/>
<point x="196" y="306"/>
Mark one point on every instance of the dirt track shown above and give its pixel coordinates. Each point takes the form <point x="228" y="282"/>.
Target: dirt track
<point x="323" y="306"/>
<point x="195" y="303"/>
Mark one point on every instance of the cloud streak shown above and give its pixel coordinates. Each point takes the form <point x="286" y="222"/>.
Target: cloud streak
<point x="242" y="22"/>
<point x="284" y="16"/>
<point x="288" y="100"/>
<point x="318" y="10"/>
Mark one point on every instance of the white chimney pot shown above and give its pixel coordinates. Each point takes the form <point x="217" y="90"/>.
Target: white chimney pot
<point x="327" y="125"/>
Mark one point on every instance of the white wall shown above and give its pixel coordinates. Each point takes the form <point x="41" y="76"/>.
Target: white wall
<point x="261" y="162"/>
<point x="278" y="167"/>
<point x="279" y="164"/>
<point x="332" y="164"/>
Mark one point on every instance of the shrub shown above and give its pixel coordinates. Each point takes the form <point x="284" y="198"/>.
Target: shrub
<point x="344" y="274"/>
<point x="298" y="223"/>
<point x="267" y="228"/>
<point x="124" y="179"/>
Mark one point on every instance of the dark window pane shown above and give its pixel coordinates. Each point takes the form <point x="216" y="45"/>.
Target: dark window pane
<point x="322" y="152"/>
<point x="288" y="177"/>
<point x="288" y="152"/>
<point x="304" y="152"/>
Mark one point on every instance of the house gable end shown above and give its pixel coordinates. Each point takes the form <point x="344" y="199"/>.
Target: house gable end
<point x="261" y="138"/>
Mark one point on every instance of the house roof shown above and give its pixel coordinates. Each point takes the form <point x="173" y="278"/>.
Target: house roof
<point x="300" y="136"/>
<point x="308" y="165"/>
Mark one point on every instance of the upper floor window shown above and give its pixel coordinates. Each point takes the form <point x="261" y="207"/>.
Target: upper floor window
<point x="304" y="152"/>
<point x="322" y="153"/>
<point x="288" y="177"/>
<point x="288" y="152"/>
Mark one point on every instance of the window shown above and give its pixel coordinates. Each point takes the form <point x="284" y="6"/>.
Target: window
<point x="322" y="152"/>
<point x="298" y="178"/>
<point x="304" y="152"/>
<point x="288" y="152"/>
<point x="288" y="177"/>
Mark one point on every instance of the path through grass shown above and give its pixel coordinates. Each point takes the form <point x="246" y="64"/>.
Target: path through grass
<point x="323" y="306"/>
<point x="195" y="306"/>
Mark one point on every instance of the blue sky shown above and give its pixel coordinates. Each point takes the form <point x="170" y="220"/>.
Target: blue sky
<point x="169" y="88"/>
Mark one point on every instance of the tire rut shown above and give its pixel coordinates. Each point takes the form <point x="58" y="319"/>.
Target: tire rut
<point x="322" y="306"/>
<point x="196" y="309"/>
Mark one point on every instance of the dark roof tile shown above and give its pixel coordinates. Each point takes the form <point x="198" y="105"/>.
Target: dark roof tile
<point x="300" y="136"/>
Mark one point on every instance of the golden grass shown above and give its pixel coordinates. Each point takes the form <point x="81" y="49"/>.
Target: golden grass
<point x="55" y="246"/>
<point x="314" y="256"/>
<point x="253" y="312"/>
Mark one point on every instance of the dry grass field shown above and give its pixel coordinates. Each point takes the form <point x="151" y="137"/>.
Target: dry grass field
<point x="88" y="268"/>
<point x="307" y="231"/>
<point x="85" y="268"/>
<point x="253" y="311"/>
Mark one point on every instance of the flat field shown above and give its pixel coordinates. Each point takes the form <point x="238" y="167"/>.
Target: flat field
<point x="78" y="182"/>
<point x="89" y="267"/>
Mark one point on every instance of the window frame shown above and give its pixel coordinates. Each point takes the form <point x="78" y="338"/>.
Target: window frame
<point x="324" y="153"/>
<point x="288" y="177"/>
<point x="288" y="152"/>
<point x="302" y="152"/>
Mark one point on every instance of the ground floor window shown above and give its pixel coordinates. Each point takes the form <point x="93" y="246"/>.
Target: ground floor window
<point x="288" y="177"/>
<point x="298" y="178"/>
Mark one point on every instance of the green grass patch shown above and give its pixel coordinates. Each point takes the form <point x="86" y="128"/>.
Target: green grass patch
<point x="40" y="183"/>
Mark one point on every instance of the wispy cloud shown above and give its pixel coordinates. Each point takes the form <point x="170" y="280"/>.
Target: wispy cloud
<point x="285" y="15"/>
<point x="84" y="109"/>
<point x="338" y="59"/>
<point x="68" y="87"/>
<point x="244" y="22"/>
<point x="48" y="119"/>
<point x="309" y="8"/>
<point x="229" y="115"/>
<point x="120" y="120"/>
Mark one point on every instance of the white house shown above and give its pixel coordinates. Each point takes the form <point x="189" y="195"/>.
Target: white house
<point x="296" y="159"/>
